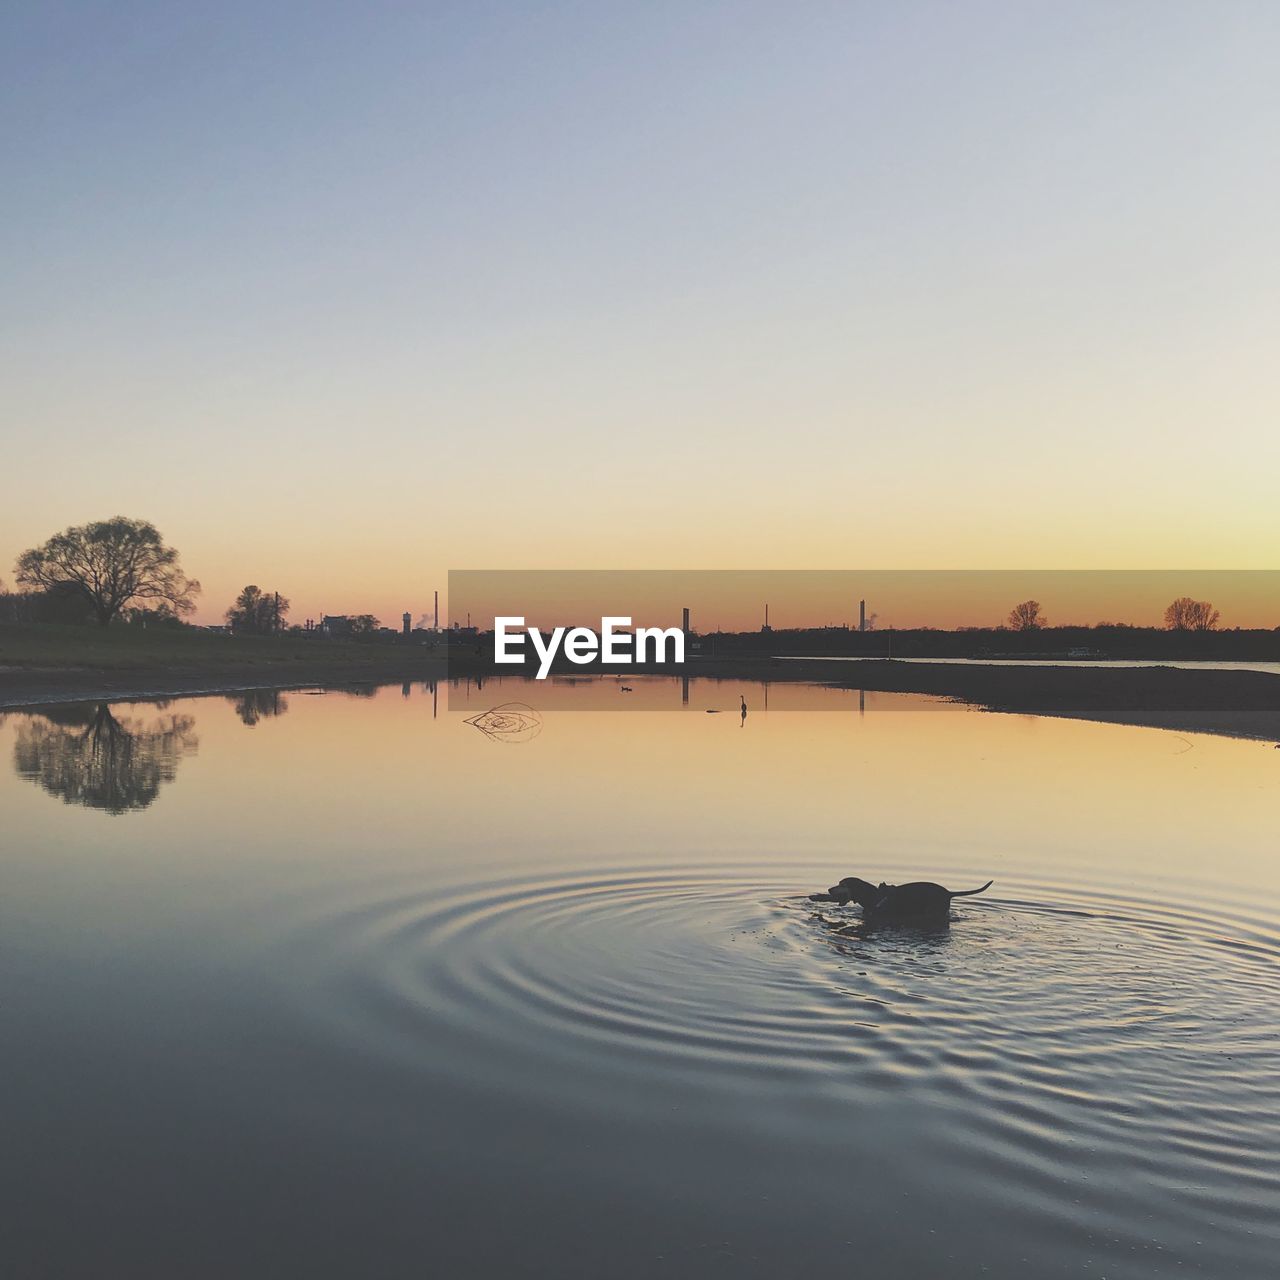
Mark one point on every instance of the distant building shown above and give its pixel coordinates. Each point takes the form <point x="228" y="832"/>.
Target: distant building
<point x="335" y="625"/>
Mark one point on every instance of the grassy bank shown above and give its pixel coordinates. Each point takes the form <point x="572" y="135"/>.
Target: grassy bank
<point x="49" y="661"/>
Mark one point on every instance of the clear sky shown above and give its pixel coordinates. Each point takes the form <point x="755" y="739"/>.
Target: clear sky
<point x="344" y="296"/>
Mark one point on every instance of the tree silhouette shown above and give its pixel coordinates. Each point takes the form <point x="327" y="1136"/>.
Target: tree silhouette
<point x="110" y="564"/>
<point x="84" y="755"/>
<point x="1027" y="616"/>
<point x="1186" y="614"/>
<point x="257" y="612"/>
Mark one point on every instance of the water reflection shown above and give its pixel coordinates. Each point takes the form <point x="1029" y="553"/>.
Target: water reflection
<point x="259" y="704"/>
<point x="887" y="935"/>
<point x="445" y="964"/>
<point x="85" y="754"/>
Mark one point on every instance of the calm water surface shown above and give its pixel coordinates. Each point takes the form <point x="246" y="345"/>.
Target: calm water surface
<point x="341" y="985"/>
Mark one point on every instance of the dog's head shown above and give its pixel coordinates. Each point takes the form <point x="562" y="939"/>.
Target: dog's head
<point x="851" y="889"/>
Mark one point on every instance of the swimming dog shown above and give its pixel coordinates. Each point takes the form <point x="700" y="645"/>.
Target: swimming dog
<point x="896" y="901"/>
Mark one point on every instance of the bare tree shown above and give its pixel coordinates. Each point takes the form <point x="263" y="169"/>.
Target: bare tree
<point x="1027" y="616"/>
<point x="110" y="564"/>
<point x="257" y="612"/>
<point x="364" y="624"/>
<point x="1186" y="614"/>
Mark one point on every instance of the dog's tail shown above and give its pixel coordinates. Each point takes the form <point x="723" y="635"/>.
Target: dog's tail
<point x="968" y="893"/>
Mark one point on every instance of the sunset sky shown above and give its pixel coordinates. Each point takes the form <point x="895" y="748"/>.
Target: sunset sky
<point x="343" y="297"/>
<point x="735" y="600"/>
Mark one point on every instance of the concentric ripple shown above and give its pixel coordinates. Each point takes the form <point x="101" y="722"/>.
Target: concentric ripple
<point x="722" y="970"/>
<point x="1047" y="1038"/>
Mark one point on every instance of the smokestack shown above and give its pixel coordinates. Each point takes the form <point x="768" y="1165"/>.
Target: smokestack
<point x="686" y="623"/>
<point x="862" y="615"/>
<point x="437" y="611"/>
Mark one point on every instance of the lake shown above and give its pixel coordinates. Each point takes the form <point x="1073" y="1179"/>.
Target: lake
<point x="360" y="984"/>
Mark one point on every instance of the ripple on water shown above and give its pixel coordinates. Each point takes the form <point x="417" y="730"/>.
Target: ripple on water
<point x="1041" y="1034"/>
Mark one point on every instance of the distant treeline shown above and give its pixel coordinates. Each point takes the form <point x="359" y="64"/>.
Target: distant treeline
<point x="1106" y="640"/>
<point x="63" y="604"/>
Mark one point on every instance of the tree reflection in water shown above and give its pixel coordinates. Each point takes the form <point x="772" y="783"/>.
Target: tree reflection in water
<point x="85" y="755"/>
<point x="259" y="704"/>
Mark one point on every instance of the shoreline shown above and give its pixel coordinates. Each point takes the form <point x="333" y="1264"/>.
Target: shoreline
<point x="1236" y="704"/>
<point x="1239" y="704"/>
<point x="25" y="688"/>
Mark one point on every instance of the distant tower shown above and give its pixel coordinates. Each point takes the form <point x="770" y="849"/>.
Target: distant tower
<point x="405" y="621"/>
<point x="437" y="623"/>
<point x="686" y="622"/>
<point x="862" y="615"/>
